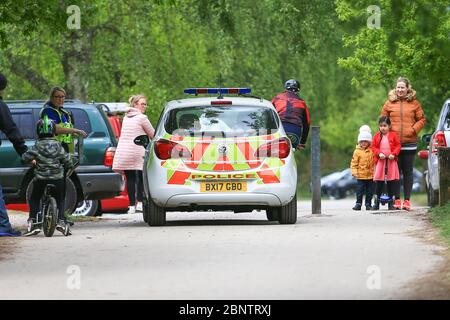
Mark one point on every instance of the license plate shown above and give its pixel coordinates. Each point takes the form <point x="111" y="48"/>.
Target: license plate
<point x="223" y="186"/>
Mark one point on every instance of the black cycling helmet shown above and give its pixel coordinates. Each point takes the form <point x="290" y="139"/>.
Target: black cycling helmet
<point x="292" y="85"/>
<point x="45" y="128"/>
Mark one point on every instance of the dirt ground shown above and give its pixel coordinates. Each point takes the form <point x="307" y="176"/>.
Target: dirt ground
<point x="436" y="284"/>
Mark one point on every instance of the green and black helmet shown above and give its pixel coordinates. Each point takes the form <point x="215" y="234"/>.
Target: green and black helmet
<point x="45" y="128"/>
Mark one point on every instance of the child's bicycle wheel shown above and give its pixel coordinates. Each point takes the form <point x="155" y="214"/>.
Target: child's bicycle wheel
<point x="50" y="217"/>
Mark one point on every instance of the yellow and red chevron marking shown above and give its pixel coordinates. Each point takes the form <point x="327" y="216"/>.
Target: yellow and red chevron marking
<point x="197" y="154"/>
<point x="223" y="164"/>
<point x="205" y="157"/>
<point x="249" y="154"/>
<point x="179" y="177"/>
<point x="269" y="174"/>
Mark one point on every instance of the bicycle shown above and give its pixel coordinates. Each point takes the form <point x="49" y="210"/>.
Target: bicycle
<point x="47" y="217"/>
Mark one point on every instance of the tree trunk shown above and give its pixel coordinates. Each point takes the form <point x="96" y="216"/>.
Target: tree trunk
<point x="74" y="61"/>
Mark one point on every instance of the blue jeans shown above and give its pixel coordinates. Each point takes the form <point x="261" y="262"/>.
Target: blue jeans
<point x="293" y="132"/>
<point x="5" y="226"/>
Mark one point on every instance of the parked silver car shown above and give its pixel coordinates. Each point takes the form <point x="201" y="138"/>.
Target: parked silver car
<point x="439" y="138"/>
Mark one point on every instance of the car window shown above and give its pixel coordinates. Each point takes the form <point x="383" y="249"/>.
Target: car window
<point x="25" y="122"/>
<point x="81" y="120"/>
<point x="226" y="120"/>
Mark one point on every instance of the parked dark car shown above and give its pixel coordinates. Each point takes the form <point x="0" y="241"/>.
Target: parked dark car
<point x="341" y="184"/>
<point x="328" y="182"/>
<point x="93" y="179"/>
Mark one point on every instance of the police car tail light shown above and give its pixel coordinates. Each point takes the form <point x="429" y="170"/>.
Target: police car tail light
<point x="438" y="141"/>
<point x="109" y="157"/>
<point x="221" y="103"/>
<point x="166" y="149"/>
<point x="278" y="148"/>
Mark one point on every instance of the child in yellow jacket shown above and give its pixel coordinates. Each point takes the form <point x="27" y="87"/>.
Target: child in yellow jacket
<point x="362" y="166"/>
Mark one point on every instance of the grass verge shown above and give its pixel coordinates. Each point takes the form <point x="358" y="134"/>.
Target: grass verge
<point x="440" y="218"/>
<point x="419" y="199"/>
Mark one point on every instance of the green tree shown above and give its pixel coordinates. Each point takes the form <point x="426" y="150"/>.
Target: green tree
<point x="412" y="41"/>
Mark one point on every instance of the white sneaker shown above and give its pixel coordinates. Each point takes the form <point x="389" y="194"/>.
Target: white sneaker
<point x="139" y="207"/>
<point x="131" y="209"/>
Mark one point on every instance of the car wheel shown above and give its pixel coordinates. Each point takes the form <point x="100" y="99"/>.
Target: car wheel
<point x="332" y="194"/>
<point x="336" y="194"/>
<point x="288" y="213"/>
<point x="145" y="210"/>
<point x="432" y="196"/>
<point x="87" y="208"/>
<point x="70" y="199"/>
<point x="273" y="214"/>
<point x="156" y="214"/>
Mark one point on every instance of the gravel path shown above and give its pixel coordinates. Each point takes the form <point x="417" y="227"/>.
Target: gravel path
<point x="341" y="255"/>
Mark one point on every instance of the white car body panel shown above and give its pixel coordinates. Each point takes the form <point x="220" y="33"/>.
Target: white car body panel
<point x="432" y="176"/>
<point x="177" y="196"/>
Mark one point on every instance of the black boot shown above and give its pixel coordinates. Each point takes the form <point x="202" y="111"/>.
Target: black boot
<point x="357" y="207"/>
<point x="368" y="207"/>
<point x="391" y="205"/>
<point x="376" y="205"/>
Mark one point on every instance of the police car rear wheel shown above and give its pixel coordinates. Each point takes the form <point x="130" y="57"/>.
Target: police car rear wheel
<point x="288" y="213"/>
<point x="145" y="210"/>
<point x="156" y="214"/>
<point x="273" y="214"/>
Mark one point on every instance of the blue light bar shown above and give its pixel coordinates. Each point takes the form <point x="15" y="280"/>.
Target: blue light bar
<point x="197" y="91"/>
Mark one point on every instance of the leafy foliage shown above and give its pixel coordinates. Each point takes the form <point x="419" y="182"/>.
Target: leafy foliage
<point x="159" y="47"/>
<point x="413" y="41"/>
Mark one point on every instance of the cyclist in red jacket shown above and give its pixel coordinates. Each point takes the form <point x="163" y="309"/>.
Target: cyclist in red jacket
<point x="293" y="113"/>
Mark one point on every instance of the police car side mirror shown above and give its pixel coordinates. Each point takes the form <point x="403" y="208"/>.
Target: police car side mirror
<point x="142" y="140"/>
<point x="426" y="138"/>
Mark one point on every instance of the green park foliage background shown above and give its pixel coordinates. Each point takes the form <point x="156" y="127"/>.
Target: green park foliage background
<point x="161" y="47"/>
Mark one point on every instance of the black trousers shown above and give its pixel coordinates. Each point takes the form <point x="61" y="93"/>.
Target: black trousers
<point x="364" y="187"/>
<point x="393" y="188"/>
<point x="405" y="166"/>
<point x="58" y="192"/>
<point x="135" y="186"/>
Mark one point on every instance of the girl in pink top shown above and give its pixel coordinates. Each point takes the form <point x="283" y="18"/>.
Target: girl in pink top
<point x="129" y="157"/>
<point x="386" y="148"/>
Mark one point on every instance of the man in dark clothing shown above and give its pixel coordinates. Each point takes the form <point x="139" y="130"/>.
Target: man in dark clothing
<point x="10" y="129"/>
<point x="293" y="113"/>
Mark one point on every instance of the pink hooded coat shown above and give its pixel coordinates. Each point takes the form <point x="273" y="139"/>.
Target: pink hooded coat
<point x="130" y="156"/>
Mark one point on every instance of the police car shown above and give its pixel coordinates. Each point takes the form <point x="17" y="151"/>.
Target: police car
<point x="227" y="153"/>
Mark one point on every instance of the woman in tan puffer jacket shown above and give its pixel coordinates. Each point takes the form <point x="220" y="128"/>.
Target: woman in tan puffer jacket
<point x="407" y="118"/>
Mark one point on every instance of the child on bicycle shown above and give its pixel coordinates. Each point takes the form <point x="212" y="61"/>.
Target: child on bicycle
<point x="362" y="168"/>
<point x="50" y="161"/>
<point x="386" y="148"/>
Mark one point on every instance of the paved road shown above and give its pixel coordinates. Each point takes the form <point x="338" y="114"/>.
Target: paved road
<point x="341" y="255"/>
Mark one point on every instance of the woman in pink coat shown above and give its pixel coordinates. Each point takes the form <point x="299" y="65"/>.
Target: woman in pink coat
<point x="129" y="157"/>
